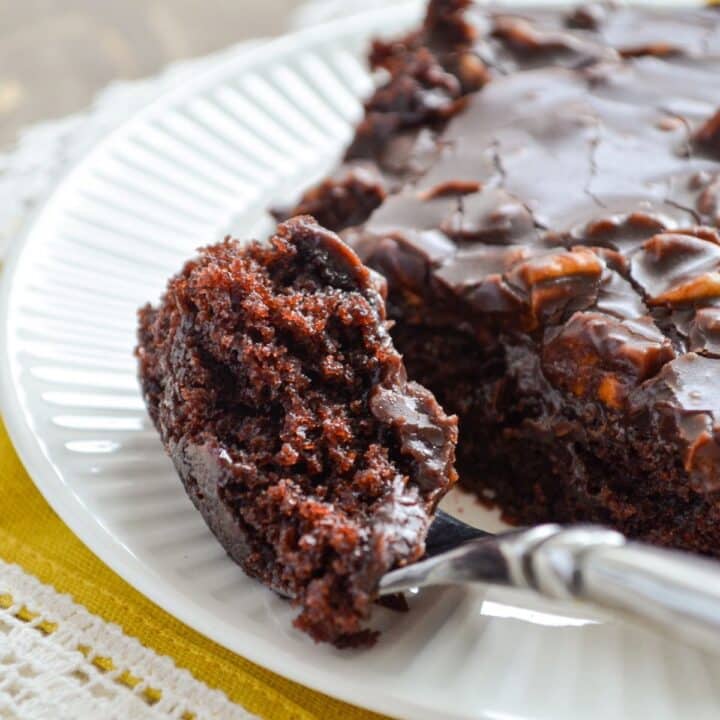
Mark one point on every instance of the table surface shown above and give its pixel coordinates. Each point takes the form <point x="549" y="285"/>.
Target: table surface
<point x="56" y="54"/>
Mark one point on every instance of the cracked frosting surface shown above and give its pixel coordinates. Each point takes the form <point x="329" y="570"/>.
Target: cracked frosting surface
<point x="549" y="238"/>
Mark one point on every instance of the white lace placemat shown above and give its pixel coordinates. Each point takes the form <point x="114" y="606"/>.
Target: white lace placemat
<point x="59" y="662"/>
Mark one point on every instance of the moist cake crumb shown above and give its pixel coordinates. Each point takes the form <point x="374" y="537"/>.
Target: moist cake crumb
<point x="270" y="374"/>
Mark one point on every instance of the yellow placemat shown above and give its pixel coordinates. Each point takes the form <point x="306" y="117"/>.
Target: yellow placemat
<point x="35" y="538"/>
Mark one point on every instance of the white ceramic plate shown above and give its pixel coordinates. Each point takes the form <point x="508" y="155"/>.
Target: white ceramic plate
<point x="203" y="159"/>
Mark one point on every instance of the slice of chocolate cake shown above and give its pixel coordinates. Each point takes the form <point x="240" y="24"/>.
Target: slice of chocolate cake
<point x="549" y="238"/>
<point x="552" y="286"/>
<point x="270" y="374"/>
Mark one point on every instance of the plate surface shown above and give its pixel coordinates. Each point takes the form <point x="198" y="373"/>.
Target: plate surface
<point x="197" y="162"/>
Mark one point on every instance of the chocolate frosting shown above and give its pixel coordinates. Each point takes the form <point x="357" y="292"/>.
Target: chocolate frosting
<point x="573" y="200"/>
<point x="559" y="206"/>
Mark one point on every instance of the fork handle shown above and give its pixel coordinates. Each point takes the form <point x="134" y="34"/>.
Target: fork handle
<point x="677" y="592"/>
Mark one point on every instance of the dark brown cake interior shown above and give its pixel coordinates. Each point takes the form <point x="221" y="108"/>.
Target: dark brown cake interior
<point x="271" y="376"/>
<point x="549" y="238"/>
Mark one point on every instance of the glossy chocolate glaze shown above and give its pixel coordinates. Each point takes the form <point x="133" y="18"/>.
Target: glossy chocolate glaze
<point x="549" y="241"/>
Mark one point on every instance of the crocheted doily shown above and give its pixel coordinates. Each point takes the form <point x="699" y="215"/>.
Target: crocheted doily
<point x="59" y="662"/>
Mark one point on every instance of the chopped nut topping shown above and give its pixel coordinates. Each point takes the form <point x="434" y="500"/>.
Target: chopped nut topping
<point x="451" y="187"/>
<point x="708" y="136"/>
<point x="579" y="261"/>
<point x="704" y="287"/>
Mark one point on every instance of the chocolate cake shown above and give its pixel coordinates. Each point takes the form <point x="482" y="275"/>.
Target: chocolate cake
<point x="270" y="374"/>
<point x="545" y="207"/>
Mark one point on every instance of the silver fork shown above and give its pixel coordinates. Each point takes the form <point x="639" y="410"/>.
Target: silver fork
<point x="675" y="592"/>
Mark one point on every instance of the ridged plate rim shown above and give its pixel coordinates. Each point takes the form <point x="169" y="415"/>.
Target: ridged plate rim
<point x="48" y="477"/>
<point x="44" y="473"/>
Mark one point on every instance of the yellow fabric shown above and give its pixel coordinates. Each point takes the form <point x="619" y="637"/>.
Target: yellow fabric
<point x="35" y="538"/>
